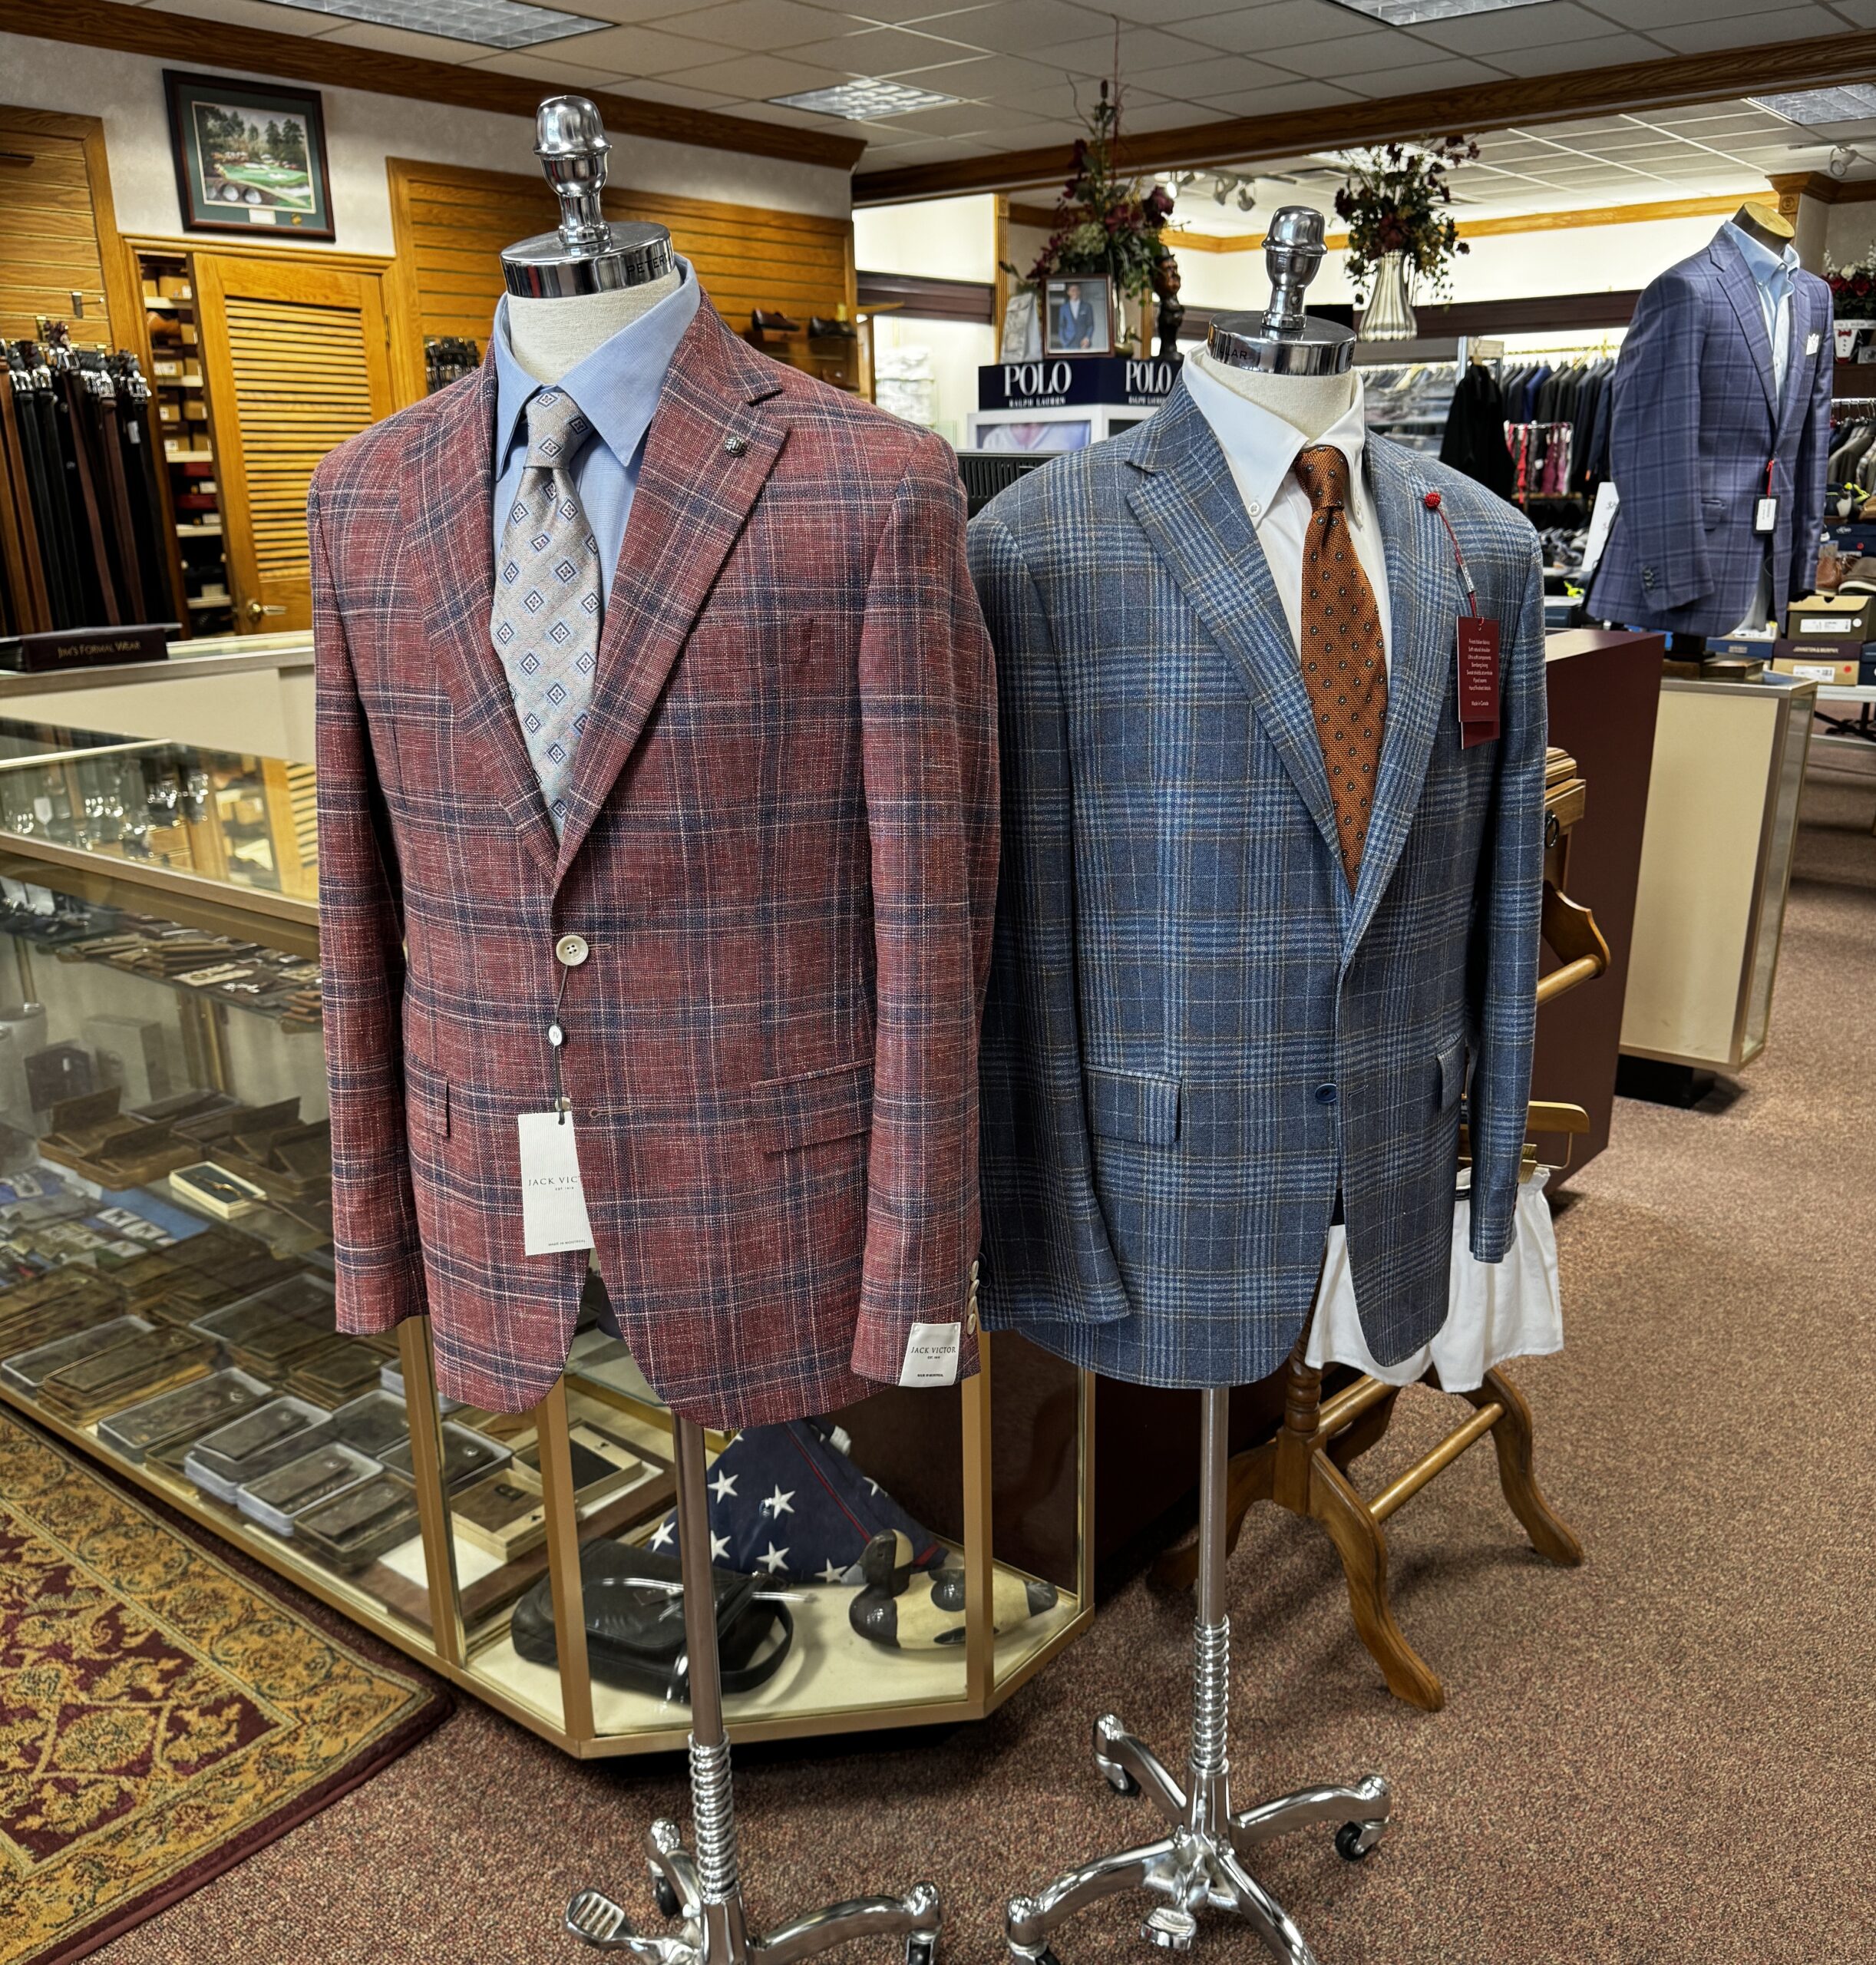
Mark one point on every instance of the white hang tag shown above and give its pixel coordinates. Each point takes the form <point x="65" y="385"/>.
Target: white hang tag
<point x="931" y="1354"/>
<point x="554" y="1203"/>
<point x="1765" y="515"/>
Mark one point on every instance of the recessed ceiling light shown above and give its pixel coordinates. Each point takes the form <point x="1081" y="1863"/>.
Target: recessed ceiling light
<point x="487" y="23"/>
<point x="1854" y="102"/>
<point x="1414" y="13"/>
<point x="865" y="99"/>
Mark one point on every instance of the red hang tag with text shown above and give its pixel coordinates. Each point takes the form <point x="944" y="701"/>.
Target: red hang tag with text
<point x="1478" y="680"/>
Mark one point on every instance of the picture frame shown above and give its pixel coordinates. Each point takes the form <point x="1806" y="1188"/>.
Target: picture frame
<point x="250" y="157"/>
<point x="1077" y="314"/>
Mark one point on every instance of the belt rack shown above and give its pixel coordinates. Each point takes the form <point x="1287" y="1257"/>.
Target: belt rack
<point x="1305" y="1467"/>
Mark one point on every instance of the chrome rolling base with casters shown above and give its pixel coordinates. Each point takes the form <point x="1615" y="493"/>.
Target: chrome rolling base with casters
<point x="704" y="1892"/>
<point x="1202" y="1861"/>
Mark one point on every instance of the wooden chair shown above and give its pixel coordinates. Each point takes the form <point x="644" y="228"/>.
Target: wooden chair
<point x="1307" y="1467"/>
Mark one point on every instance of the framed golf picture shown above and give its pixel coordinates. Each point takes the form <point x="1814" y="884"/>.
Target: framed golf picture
<point x="249" y="158"/>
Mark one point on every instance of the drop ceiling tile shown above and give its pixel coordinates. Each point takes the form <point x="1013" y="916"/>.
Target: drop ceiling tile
<point x="365" y="33"/>
<point x="1217" y="75"/>
<point x="635" y="51"/>
<point x="680" y="95"/>
<point x="1037" y="136"/>
<point x="557" y="72"/>
<point x="755" y="77"/>
<point x="1280" y="97"/>
<point x="967" y="119"/>
<point x="1028" y="27"/>
<point x="1358" y="66"/>
<point x="1141" y="48"/>
<point x="932" y="149"/>
<point x="1174" y="13"/>
<point x="1857" y="13"/>
<point x="1513" y="26"/>
<point x="623" y="13"/>
<point x="756" y="27"/>
<point x="885" y="52"/>
<point x="1285" y="23"/>
<point x="1173" y="116"/>
<point x="285" y="20"/>
<point x="795" y="119"/>
<point x="1748" y="29"/>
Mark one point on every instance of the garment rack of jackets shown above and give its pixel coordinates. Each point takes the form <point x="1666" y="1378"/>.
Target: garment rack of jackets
<point x="1849" y="470"/>
<point x="1409" y="401"/>
<point x="1576" y="392"/>
<point x="1474" y="441"/>
<point x="83" y="539"/>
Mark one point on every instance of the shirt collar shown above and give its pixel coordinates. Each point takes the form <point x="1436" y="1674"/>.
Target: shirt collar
<point x="1761" y="261"/>
<point x="617" y="385"/>
<point x="1262" y="448"/>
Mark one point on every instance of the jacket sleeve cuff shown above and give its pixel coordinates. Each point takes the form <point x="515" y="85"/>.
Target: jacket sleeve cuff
<point x="881" y="1338"/>
<point x="1494" y="1224"/>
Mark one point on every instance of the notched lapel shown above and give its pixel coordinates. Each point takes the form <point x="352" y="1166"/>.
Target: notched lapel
<point x="1424" y="646"/>
<point x="1187" y="503"/>
<point x="1736" y="282"/>
<point x="447" y="500"/>
<point x="707" y="454"/>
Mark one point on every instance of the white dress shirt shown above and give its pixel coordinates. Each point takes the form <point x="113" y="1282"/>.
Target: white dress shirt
<point x="1772" y="279"/>
<point x="1261" y="450"/>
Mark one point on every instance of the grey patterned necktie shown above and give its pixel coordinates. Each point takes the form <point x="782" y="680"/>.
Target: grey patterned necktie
<point x="546" y="618"/>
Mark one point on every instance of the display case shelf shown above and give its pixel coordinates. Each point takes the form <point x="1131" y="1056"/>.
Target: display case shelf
<point x="161" y="1060"/>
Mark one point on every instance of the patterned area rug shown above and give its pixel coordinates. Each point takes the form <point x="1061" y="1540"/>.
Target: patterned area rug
<point x="161" y="1716"/>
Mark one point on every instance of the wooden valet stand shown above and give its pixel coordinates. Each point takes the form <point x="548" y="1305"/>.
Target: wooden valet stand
<point x="1305" y="1467"/>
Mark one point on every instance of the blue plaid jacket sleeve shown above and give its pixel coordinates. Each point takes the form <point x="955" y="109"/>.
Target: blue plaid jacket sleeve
<point x="379" y="1259"/>
<point x="1813" y="445"/>
<point x="1657" y="404"/>
<point x="1513" y="866"/>
<point x="1051" y="1241"/>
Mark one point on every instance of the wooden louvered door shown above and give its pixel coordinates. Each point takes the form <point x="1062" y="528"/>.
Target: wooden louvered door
<point x="296" y="359"/>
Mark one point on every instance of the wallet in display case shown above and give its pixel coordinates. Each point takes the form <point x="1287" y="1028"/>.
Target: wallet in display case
<point x="334" y="1371"/>
<point x="275" y="1499"/>
<point x="466" y="1457"/>
<point x="28" y="1370"/>
<point x="138" y="1368"/>
<point x="373" y="1424"/>
<point x="355" y="1528"/>
<point x="501" y="1516"/>
<point x="233" y="1456"/>
<point x="222" y="1194"/>
<point x="184" y="1414"/>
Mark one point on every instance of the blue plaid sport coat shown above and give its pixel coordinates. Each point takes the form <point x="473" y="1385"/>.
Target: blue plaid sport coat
<point x="1196" y="1036"/>
<point x="1698" y="417"/>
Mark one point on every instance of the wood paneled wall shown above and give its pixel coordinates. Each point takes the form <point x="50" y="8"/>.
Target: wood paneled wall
<point x="60" y="233"/>
<point x="449" y="225"/>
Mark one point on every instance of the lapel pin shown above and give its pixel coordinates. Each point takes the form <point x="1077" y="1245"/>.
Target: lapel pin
<point x="735" y="445"/>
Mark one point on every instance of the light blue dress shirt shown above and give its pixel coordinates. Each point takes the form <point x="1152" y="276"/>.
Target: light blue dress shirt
<point x="1771" y="273"/>
<point x="617" y="385"/>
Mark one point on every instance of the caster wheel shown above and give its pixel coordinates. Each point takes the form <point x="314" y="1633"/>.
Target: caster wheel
<point x="922" y="1948"/>
<point x="1123" y="1783"/>
<point x="1351" y="1845"/>
<point x="668" y="1902"/>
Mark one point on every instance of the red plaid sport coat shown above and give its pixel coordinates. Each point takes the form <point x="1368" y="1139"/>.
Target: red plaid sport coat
<point x="781" y="848"/>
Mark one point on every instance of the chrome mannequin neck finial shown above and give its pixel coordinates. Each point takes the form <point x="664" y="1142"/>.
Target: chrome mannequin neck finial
<point x="586" y="255"/>
<point x="1283" y="340"/>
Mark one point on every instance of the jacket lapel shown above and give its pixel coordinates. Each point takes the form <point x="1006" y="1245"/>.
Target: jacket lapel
<point x="707" y="454"/>
<point x="447" y="502"/>
<point x="1186" y="502"/>
<point x="1424" y="648"/>
<point x="1742" y="292"/>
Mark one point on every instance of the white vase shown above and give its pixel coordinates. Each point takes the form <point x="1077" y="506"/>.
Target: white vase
<point x="1388" y="315"/>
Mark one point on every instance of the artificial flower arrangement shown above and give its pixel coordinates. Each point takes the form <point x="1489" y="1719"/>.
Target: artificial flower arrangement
<point x="1396" y="200"/>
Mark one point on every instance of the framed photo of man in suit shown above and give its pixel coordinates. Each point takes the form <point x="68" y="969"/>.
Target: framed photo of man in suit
<point x="1078" y="314"/>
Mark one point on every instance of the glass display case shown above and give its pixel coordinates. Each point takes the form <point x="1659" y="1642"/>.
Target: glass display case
<point x="167" y="1304"/>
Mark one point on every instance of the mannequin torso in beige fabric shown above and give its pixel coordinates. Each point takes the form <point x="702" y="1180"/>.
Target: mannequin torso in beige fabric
<point x="551" y="337"/>
<point x="1311" y="404"/>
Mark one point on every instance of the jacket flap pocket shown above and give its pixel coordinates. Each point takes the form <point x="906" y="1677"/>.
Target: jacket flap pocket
<point x="1452" y="1073"/>
<point x="1133" y="1106"/>
<point x="815" y="1106"/>
<point x="427" y="1100"/>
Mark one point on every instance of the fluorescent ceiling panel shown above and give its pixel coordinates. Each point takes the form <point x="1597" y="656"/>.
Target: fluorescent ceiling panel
<point x="1818" y="108"/>
<point x="865" y="99"/>
<point x="487" y="23"/>
<point x="1415" y="13"/>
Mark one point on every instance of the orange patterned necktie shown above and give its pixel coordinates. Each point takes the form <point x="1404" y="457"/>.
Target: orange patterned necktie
<point x="1344" y="668"/>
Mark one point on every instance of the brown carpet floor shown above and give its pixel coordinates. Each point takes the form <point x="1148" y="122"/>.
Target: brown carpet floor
<point x="1661" y="1757"/>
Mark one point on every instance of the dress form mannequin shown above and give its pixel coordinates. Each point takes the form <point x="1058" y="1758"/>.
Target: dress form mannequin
<point x="1771" y="229"/>
<point x="1296" y="368"/>
<point x="551" y="337"/>
<point x="572" y="289"/>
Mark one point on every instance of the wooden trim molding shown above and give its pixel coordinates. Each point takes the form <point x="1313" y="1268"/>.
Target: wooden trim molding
<point x="1794" y="185"/>
<point x="1718" y="75"/>
<point x="299" y="57"/>
<point x="1499" y="228"/>
<point x="918" y="297"/>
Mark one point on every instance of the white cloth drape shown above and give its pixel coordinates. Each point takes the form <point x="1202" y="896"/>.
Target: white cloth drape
<point x="1498" y="1310"/>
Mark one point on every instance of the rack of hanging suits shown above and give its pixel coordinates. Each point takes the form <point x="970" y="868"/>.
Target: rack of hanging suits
<point x="1566" y="409"/>
<point x="1849" y="470"/>
<point x="83" y="540"/>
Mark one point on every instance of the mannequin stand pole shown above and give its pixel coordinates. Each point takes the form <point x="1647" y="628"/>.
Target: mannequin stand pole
<point x="704" y="1891"/>
<point x="1202" y="1863"/>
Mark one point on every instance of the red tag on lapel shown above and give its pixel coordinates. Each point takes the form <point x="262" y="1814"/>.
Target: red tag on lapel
<point x="1478" y="679"/>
